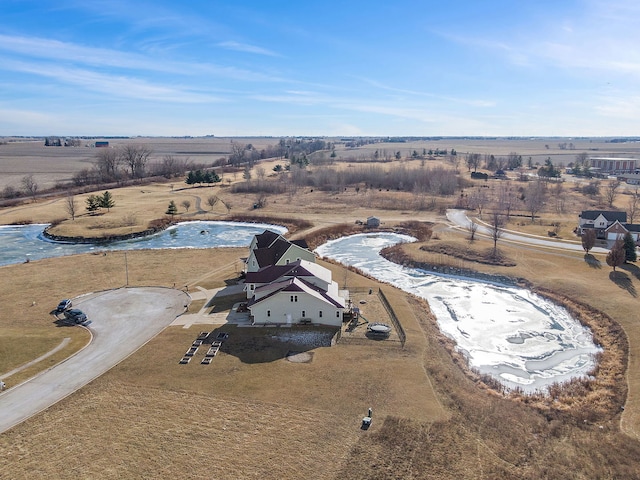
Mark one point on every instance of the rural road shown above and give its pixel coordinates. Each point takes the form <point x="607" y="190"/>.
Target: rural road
<point x="122" y="321"/>
<point x="459" y="219"/>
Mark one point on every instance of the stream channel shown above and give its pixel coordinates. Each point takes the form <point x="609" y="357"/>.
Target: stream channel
<point x="519" y="338"/>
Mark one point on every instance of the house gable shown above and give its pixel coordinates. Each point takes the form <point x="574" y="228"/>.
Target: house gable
<point x="294" y="300"/>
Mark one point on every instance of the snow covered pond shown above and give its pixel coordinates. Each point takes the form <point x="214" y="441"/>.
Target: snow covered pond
<point x="21" y="242"/>
<point x="510" y="333"/>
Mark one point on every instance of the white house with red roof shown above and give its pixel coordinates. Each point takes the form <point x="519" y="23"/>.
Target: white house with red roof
<point x="294" y="300"/>
<point x="290" y="289"/>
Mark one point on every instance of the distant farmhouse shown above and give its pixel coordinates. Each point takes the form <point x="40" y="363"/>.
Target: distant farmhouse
<point x="608" y="225"/>
<point x="284" y="285"/>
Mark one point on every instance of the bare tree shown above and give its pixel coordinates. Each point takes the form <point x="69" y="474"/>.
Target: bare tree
<point x="505" y="199"/>
<point x="237" y="156"/>
<point x="212" y="200"/>
<point x="107" y="164"/>
<point x="611" y="191"/>
<point x="535" y="197"/>
<point x="455" y="161"/>
<point x="496" y="222"/>
<point x="186" y="204"/>
<point x="559" y="196"/>
<point x="478" y="199"/>
<point x="71" y="206"/>
<point x="260" y="172"/>
<point x="473" y="161"/>
<point x="473" y="228"/>
<point x="616" y="256"/>
<point x="632" y="207"/>
<point x="30" y="185"/>
<point x="135" y="157"/>
<point x="582" y="159"/>
<point x="588" y="239"/>
<point x="227" y="204"/>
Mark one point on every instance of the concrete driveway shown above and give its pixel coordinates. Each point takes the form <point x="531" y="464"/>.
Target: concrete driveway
<point x="122" y="321"/>
<point x="460" y="220"/>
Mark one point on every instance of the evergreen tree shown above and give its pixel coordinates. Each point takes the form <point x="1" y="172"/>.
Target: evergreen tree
<point x="172" y="209"/>
<point x="93" y="203"/>
<point x="107" y="201"/>
<point x="191" y="178"/>
<point x="629" y="246"/>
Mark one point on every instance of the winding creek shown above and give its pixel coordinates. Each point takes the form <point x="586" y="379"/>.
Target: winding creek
<point x="519" y="338"/>
<point x="23" y="242"/>
<point x="510" y="333"/>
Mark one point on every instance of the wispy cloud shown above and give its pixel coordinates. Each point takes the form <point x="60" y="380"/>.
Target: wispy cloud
<point x="460" y="100"/>
<point x="600" y="37"/>
<point x="245" y="47"/>
<point x="49" y="49"/>
<point x="118" y="86"/>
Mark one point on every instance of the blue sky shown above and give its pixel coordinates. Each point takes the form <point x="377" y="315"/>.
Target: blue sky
<point x="516" y="67"/>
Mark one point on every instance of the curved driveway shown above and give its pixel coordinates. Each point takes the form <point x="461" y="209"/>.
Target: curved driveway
<point x="459" y="219"/>
<point x="122" y="321"/>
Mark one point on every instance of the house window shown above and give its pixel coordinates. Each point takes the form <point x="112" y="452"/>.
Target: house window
<point x="320" y="314"/>
<point x="294" y="298"/>
<point x="287" y="261"/>
<point x="338" y="314"/>
<point x="251" y="287"/>
<point x="268" y="313"/>
<point x="304" y="313"/>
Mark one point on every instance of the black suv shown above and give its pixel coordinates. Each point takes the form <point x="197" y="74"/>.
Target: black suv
<point x="76" y="316"/>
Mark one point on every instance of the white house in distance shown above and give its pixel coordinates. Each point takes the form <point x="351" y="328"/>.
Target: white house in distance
<point x="291" y="289"/>
<point x="269" y="248"/>
<point x="608" y="225"/>
<point x="599" y="220"/>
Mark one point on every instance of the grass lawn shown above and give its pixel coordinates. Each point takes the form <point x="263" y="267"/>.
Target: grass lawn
<point x="252" y="413"/>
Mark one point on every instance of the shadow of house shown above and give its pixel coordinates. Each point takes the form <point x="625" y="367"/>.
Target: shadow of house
<point x="269" y="344"/>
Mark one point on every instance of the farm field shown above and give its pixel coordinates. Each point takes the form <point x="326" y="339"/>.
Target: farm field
<point x="260" y="415"/>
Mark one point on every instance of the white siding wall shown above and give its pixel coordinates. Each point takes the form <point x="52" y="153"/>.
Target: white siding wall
<point x="296" y="253"/>
<point x="280" y="305"/>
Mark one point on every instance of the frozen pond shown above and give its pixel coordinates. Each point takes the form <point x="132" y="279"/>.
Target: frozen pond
<point x="517" y="337"/>
<point x="22" y="242"/>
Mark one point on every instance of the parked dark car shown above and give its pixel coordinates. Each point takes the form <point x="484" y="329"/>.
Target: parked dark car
<point x="75" y="315"/>
<point x="63" y="305"/>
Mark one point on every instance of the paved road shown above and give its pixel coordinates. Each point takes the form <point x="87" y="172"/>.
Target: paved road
<point x="122" y="321"/>
<point x="459" y="219"/>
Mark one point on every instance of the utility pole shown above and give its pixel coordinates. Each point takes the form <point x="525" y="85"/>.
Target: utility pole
<point x="126" y="268"/>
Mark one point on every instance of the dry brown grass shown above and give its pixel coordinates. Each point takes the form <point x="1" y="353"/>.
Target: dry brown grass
<point x="431" y="420"/>
<point x="29" y="330"/>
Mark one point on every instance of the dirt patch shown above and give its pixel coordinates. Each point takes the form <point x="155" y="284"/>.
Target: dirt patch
<point x="300" y="357"/>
